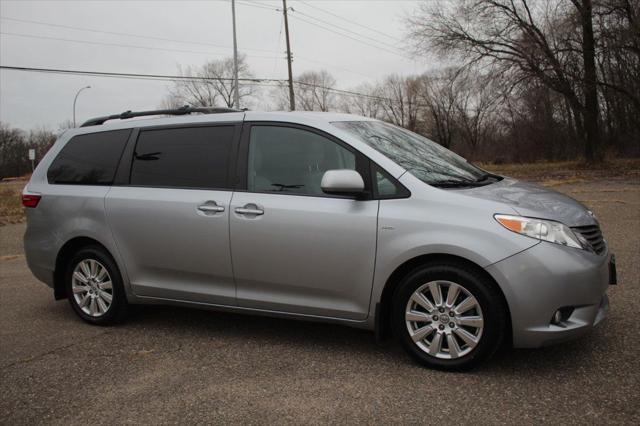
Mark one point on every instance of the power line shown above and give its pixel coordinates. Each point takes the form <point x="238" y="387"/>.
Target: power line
<point x="259" y="6"/>
<point x="374" y="40"/>
<point x="348" y="36"/>
<point x="280" y="26"/>
<point x="270" y="82"/>
<point x="327" y="65"/>
<point x="93" y="30"/>
<point x="99" y="43"/>
<point x="294" y="15"/>
<point x="178" y="50"/>
<point x="348" y="20"/>
<point x="136" y="75"/>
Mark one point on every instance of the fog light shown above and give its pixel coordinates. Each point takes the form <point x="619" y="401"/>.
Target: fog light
<point x="557" y="318"/>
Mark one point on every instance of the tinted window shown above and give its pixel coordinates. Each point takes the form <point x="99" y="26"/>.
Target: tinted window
<point x="194" y="157"/>
<point x="89" y="159"/>
<point x="386" y="187"/>
<point x="285" y="159"/>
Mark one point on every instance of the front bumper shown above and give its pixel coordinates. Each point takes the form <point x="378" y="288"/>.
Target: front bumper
<point x="539" y="281"/>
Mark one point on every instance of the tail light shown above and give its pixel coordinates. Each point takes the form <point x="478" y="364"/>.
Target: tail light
<point x="30" y="200"/>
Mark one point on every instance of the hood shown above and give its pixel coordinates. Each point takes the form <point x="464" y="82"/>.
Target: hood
<point x="533" y="200"/>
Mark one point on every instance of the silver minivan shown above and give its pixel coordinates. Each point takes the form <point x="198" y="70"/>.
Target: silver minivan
<point x="314" y="216"/>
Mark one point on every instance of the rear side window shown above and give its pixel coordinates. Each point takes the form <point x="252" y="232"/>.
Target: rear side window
<point x="195" y="157"/>
<point x="89" y="159"/>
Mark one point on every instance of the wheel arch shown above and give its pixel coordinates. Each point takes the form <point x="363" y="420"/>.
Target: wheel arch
<point x="64" y="254"/>
<point x="384" y="305"/>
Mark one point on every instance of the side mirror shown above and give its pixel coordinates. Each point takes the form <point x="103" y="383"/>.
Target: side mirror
<point x="342" y="182"/>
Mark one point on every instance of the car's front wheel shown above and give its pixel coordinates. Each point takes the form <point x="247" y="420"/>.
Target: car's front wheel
<point x="448" y="316"/>
<point x="94" y="287"/>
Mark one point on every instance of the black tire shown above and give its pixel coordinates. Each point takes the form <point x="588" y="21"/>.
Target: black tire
<point x="119" y="307"/>
<point x="489" y="298"/>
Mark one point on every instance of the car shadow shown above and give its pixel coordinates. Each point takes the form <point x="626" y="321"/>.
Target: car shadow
<point x="232" y="328"/>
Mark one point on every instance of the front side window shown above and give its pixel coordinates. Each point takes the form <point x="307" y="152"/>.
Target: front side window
<point x="194" y="157"/>
<point x="293" y="161"/>
<point x="385" y="187"/>
<point x="90" y="159"/>
<point x="425" y="159"/>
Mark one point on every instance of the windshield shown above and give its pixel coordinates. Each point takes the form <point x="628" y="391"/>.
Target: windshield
<point x="425" y="159"/>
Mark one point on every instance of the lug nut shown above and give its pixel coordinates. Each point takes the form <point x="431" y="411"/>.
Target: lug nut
<point x="441" y="310"/>
<point x="435" y="318"/>
<point x="451" y="313"/>
<point x="451" y="325"/>
<point x="441" y="327"/>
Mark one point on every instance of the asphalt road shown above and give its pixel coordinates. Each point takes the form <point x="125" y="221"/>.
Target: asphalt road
<point x="170" y="365"/>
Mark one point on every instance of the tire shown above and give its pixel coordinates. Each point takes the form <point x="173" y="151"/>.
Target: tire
<point x="470" y="330"/>
<point x="93" y="282"/>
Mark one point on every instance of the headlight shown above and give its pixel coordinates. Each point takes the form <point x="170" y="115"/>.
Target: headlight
<point x="547" y="230"/>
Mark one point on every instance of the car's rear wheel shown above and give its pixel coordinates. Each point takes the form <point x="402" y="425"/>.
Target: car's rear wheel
<point x="94" y="287"/>
<point x="448" y="316"/>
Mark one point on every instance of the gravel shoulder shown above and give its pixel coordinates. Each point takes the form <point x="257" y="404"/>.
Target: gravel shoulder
<point x="173" y="365"/>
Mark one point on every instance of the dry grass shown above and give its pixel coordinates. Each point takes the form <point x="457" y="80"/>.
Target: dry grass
<point x="11" y="210"/>
<point x="567" y="172"/>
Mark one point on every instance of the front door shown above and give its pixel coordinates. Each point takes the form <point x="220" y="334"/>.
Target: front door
<point x="171" y="223"/>
<point x="294" y="248"/>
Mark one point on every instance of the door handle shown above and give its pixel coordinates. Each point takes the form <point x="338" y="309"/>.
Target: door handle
<point x="252" y="211"/>
<point x="210" y="207"/>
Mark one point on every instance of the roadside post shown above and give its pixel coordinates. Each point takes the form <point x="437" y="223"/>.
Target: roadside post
<point x="32" y="157"/>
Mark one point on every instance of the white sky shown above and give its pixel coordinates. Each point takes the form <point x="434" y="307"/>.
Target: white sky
<point x="28" y="100"/>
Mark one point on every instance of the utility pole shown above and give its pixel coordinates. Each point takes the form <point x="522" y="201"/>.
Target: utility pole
<point x="292" y="101"/>
<point x="236" y="95"/>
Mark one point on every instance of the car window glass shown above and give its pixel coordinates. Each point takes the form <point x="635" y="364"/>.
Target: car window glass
<point x="425" y="159"/>
<point x="291" y="160"/>
<point x="90" y="159"/>
<point x="386" y="188"/>
<point x="194" y="157"/>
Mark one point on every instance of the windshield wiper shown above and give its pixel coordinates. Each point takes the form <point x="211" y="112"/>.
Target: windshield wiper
<point x="484" y="177"/>
<point x="452" y="183"/>
<point x="282" y="187"/>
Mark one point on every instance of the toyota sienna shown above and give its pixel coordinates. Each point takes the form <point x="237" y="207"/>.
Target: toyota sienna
<point x="314" y="216"/>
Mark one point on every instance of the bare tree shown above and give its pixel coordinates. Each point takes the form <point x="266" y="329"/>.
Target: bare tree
<point x="399" y="101"/>
<point x="314" y="91"/>
<point x="439" y="95"/>
<point x="41" y="139"/>
<point x="15" y="145"/>
<point x="527" y="39"/>
<point x="65" y="125"/>
<point x="476" y="102"/>
<point x="211" y="85"/>
<point x="13" y="151"/>
<point x="366" y="104"/>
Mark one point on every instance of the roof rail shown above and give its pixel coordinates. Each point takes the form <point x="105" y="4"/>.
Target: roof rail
<point x="179" y="111"/>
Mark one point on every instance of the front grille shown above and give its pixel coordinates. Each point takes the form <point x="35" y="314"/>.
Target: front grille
<point x="593" y="235"/>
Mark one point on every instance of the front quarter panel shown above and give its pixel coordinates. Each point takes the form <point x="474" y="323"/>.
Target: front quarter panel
<point x="434" y="221"/>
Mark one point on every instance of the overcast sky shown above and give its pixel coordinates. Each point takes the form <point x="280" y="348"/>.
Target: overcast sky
<point x="30" y="99"/>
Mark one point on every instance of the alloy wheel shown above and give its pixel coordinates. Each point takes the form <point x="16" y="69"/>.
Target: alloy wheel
<point x="444" y="319"/>
<point x="92" y="287"/>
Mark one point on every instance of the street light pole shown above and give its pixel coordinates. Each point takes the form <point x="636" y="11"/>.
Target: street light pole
<point x="74" y="103"/>
<point x="236" y="95"/>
